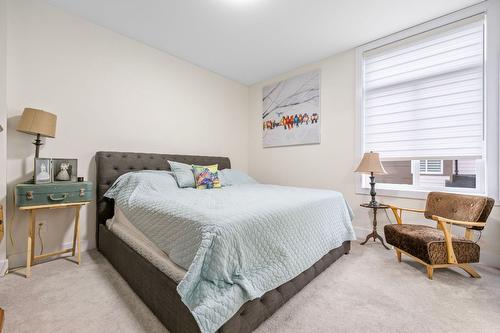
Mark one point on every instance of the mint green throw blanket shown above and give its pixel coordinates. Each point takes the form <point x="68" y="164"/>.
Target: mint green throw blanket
<point x="236" y="242"/>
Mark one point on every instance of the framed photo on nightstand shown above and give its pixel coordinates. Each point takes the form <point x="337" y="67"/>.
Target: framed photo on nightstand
<point x="64" y="169"/>
<point x="43" y="170"/>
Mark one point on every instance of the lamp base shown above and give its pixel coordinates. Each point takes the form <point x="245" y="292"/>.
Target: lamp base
<point x="37" y="143"/>
<point x="373" y="202"/>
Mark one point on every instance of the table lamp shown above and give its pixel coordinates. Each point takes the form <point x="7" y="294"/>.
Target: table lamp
<point x="39" y="123"/>
<point x="371" y="164"/>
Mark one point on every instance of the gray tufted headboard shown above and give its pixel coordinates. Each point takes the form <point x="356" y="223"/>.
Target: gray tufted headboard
<point x="111" y="165"/>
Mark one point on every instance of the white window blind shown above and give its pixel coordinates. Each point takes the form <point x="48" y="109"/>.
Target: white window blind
<point x="423" y="96"/>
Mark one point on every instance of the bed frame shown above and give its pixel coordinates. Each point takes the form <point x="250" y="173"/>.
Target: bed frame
<point x="155" y="288"/>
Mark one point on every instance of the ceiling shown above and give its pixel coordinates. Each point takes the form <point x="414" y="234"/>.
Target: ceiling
<point x="252" y="40"/>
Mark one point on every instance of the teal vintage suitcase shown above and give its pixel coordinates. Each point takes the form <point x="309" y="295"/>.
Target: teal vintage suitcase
<point x="29" y="194"/>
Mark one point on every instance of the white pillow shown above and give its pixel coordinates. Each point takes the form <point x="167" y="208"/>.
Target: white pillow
<point x="183" y="174"/>
<point x="230" y="177"/>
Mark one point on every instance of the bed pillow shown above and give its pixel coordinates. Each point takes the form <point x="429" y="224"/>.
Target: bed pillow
<point x="183" y="174"/>
<point x="230" y="177"/>
<point x="160" y="180"/>
<point x="206" y="177"/>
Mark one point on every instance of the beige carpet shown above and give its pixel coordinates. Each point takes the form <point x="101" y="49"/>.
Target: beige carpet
<point x="366" y="291"/>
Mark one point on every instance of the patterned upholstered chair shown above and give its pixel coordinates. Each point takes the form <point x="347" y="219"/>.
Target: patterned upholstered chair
<point x="436" y="247"/>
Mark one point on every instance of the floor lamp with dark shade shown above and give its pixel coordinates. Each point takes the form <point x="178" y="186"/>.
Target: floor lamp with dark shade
<point x="370" y="164"/>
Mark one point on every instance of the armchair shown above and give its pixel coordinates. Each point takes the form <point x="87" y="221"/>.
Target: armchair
<point x="436" y="247"/>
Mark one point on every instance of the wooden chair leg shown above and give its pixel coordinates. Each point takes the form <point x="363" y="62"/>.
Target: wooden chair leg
<point x="472" y="272"/>
<point x="398" y="255"/>
<point x="430" y="271"/>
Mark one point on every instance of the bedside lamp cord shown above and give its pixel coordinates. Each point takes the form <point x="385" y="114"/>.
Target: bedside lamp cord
<point x="40" y="237"/>
<point x="386" y="214"/>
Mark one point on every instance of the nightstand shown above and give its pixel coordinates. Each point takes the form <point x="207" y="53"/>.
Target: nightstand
<point x="30" y="252"/>
<point x="35" y="197"/>
<point x="374" y="234"/>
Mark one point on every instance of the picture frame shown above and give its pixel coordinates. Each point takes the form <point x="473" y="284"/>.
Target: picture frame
<point x="43" y="171"/>
<point x="64" y="170"/>
<point x="291" y="111"/>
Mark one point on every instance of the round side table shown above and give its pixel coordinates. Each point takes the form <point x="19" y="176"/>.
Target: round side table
<point x="374" y="234"/>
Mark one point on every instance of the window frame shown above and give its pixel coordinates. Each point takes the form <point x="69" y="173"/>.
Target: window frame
<point x="491" y="10"/>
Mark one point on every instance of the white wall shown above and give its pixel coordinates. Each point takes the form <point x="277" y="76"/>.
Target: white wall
<point x="3" y="117"/>
<point x="109" y="93"/>
<point x="330" y="164"/>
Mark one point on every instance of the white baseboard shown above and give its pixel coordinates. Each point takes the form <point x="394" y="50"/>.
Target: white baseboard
<point x="362" y="232"/>
<point x="4" y="266"/>
<point x="19" y="259"/>
<point x="490" y="259"/>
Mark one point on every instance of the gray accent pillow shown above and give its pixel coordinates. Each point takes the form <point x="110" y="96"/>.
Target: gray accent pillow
<point x="183" y="174"/>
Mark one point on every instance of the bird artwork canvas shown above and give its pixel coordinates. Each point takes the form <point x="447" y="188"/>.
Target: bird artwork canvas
<point x="291" y="111"/>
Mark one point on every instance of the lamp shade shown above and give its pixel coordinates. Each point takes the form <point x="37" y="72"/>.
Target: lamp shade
<point x="34" y="121"/>
<point x="371" y="163"/>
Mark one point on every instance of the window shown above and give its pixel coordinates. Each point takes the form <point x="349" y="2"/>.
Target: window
<point x="452" y="175"/>
<point x="431" y="167"/>
<point x="422" y="105"/>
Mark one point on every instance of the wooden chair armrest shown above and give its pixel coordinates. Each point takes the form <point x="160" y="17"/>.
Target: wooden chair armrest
<point x="408" y="209"/>
<point x="398" y="212"/>
<point x="457" y="222"/>
<point x="452" y="259"/>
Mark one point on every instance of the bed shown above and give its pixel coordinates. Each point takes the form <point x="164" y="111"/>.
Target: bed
<point x="157" y="289"/>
